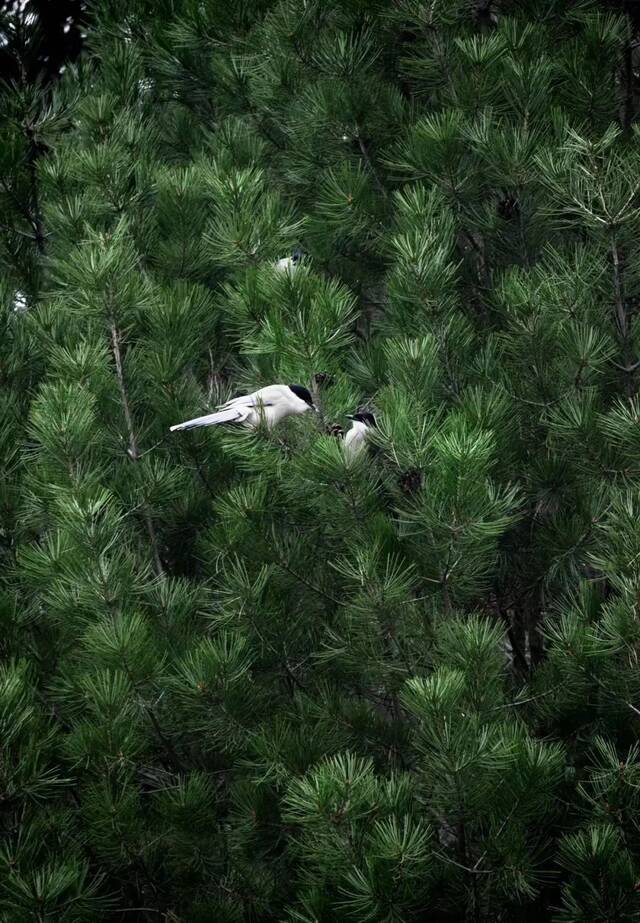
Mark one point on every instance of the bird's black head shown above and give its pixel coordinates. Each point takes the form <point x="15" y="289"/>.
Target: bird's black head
<point x="364" y="417"/>
<point x="297" y="254"/>
<point x="303" y="393"/>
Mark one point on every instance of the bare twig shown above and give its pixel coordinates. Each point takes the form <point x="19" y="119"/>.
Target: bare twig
<point x="370" y="166"/>
<point x="133" y="451"/>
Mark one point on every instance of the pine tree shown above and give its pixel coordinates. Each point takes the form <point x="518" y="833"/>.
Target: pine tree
<point x="247" y="676"/>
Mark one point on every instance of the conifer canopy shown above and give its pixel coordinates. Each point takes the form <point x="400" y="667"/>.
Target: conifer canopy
<point x="249" y="676"/>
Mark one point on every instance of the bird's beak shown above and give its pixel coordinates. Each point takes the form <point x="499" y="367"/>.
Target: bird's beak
<point x="349" y="416"/>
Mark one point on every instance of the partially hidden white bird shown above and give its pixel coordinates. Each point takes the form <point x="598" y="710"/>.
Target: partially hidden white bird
<point x="290" y="263"/>
<point x="267" y="405"/>
<point x="355" y="438"/>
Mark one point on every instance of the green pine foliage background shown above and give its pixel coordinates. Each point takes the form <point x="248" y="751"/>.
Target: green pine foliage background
<point x="244" y="677"/>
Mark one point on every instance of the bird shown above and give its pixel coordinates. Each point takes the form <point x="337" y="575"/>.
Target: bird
<point x="269" y="405"/>
<point x="290" y="263"/>
<point x="355" y="438"/>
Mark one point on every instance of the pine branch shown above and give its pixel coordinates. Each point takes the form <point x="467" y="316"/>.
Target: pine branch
<point x="518" y="653"/>
<point x="370" y="166"/>
<point x="303" y="580"/>
<point x="627" y="108"/>
<point x="166" y="742"/>
<point x="13" y="230"/>
<point x="36" y="218"/>
<point x="132" y="451"/>
<point x="622" y="319"/>
<point x="26" y="214"/>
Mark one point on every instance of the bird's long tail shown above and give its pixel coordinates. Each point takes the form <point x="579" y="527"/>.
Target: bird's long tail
<point x="232" y="415"/>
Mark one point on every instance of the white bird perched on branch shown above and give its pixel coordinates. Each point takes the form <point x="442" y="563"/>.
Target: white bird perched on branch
<point x="267" y="405"/>
<point x="355" y="438"/>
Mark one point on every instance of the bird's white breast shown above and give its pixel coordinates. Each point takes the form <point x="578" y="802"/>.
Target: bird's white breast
<point x="354" y="438"/>
<point x="286" y="265"/>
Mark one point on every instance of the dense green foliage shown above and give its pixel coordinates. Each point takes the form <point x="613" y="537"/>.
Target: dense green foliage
<point x="245" y="677"/>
